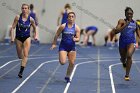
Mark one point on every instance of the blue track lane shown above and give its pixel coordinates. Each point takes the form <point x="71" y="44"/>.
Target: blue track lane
<point x="97" y="70"/>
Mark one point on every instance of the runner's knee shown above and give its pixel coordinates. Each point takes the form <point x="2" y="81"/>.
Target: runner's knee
<point x="62" y="62"/>
<point x="129" y="57"/>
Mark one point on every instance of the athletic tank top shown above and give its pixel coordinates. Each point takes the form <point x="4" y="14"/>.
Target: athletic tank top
<point x="64" y="19"/>
<point x="23" y="27"/>
<point x="128" y="33"/>
<point x="68" y="34"/>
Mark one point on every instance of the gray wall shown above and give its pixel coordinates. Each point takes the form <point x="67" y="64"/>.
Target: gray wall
<point x="101" y="13"/>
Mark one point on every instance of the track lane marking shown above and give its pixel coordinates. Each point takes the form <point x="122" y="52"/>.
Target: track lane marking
<point x="73" y="72"/>
<point x="20" y="85"/>
<point x="47" y="82"/>
<point x="24" y="81"/>
<point x="111" y="75"/>
<point x="98" y="72"/>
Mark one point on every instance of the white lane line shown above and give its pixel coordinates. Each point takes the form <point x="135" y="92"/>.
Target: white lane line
<point x="110" y="73"/>
<point x="29" y="59"/>
<point x="18" y="87"/>
<point x="9" y="70"/>
<point x="19" y="60"/>
<point x="98" y="75"/>
<point x="19" y="63"/>
<point x="68" y="84"/>
<point x="9" y="63"/>
<point x="47" y="82"/>
<point x="111" y="77"/>
<point x="14" y="67"/>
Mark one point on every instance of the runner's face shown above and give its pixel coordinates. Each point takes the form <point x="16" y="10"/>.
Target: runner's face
<point x="25" y="9"/>
<point x="71" y="18"/>
<point x="129" y="15"/>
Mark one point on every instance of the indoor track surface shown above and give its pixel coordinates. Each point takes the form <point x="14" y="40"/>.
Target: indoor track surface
<point x="97" y="70"/>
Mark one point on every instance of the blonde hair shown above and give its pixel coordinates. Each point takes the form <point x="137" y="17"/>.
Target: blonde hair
<point x="25" y="5"/>
<point x="67" y="6"/>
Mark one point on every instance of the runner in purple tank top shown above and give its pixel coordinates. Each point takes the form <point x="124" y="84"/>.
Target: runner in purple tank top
<point x="22" y="23"/>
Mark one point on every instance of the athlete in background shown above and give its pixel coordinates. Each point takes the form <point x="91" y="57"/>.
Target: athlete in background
<point x="89" y="31"/>
<point x="33" y="14"/>
<point x="64" y="14"/>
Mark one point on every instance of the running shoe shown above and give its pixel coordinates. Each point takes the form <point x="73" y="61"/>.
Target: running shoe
<point x="126" y="78"/>
<point x="67" y="79"/>
<point x="20" y="75"/>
